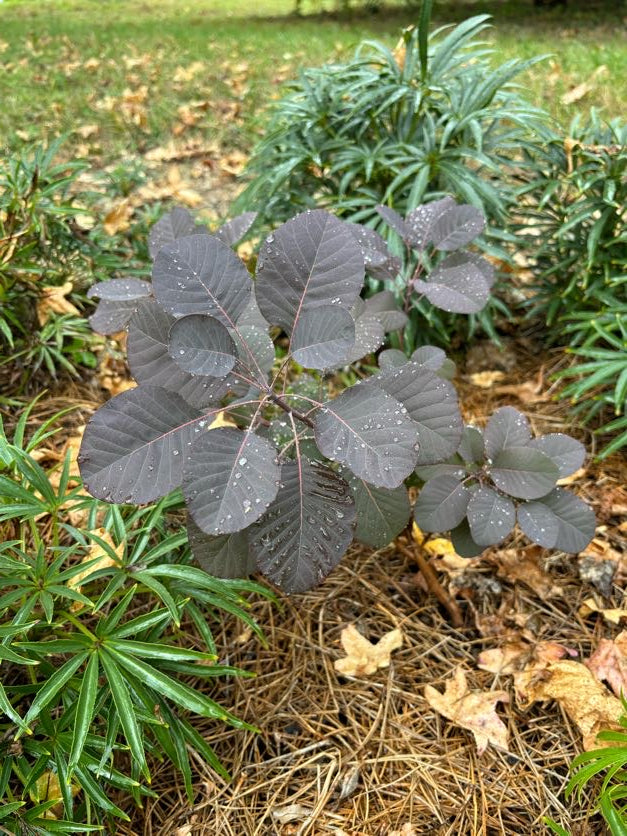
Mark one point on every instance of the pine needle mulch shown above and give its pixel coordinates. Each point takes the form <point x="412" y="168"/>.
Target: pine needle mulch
<point x="368" y="756"/>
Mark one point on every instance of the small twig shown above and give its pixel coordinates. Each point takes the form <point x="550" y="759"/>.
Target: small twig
<point x="415" y="552"/>
<point x="278" y="400"/>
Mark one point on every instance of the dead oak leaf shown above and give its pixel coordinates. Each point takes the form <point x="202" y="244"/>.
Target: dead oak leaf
<point x="474" y="711"/>
<point x="363" y="657"/>
<point x="53" y="299"/>
<point x="609" y="663"/>
<point x="579" y="693"/>
<point x="118" y="218"/>
<point x="523" y="565"/>
<point x="613" y="615"/>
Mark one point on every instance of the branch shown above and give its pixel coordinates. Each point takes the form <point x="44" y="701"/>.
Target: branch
<point x="278" y="400"/>
<point x="414" y="552"/>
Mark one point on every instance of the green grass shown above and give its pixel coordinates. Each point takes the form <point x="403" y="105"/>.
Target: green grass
<point x="48" y="85"/>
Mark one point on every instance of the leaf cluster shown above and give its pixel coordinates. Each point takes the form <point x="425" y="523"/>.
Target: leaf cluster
<point x="91" y="669"/>
<point x="289" y="476"/>
<point x="575" y="202"/>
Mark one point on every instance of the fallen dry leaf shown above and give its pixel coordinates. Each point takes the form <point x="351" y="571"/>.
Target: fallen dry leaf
<point x="515" y="656"/>
<point x="523" y="565"/>
<point x="87" y="131"/>
<point x="53" y="300"/>
<point x="588" y="703"/>
<point x="614" y="616"/>
<point x="291" y="812"/>
<point x="363" y="657"/>
<point x="472" y="710"/>
<point x="609" y="663"/>
<point x="406" y="830"/>
<point x="118" y="218"/>
<point x="485" y="380"/>
<point x="584" y="88"/>
<point x="185" y="74"/>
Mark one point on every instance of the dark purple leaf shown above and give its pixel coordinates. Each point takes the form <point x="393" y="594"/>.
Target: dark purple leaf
<point x="120" y="290"/>
<point x="201" y="345"/>
<point x="441" y="504"/>
<point x="456" y="285"/>
<point x="378" y="260"/>
<point x="255" y="348"/>
<point x="491" y="516"/>
<point x="232" y="232"/>
<point x="134" y="446"/>
<point x="369" y="431"/>
<point x="251" y="315"/>
<point x="384" y="307"/>
<point x="391" y="358"/>
<point x="322" y="336"/>
<point x="435" y="359"/>
<point x="420" y="221"/>
<point x="456" y="227"/>
<point x="393" y="219"/>
<point x="524" y="472"/>
<point x="432" y="403"/>
<point x="175" y="224"/>
<point x="563" y="450"/>
<point x="307" y="529"/>
<point x="111" y="317"/>
<point x="200" y="274"/>
<point x="150" y="362"/>
<point x="471" y="446"/>
<point x="311" y="260"/>
<point x="453" y="466"/>
<point x="381" y="514"/>
<point x="507" y="427"/>
<point x="229" y="480"/>
<point x="369" y="335"/>
<point x="483" y="266"/>
<point x="462" y="541"/>
<point x="558" y="521"/>
<point x="223" y="556"/>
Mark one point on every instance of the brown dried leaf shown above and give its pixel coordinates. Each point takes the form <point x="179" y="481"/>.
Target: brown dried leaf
<point x="614" y="616"/>
<point x="185" y="74"/>
<point x="118" y="218"/>
<point x="472" y="710"/>
<point x="609" y="663"/>
<point x="52" y="300"/>
<point x="523" y="565"/>
<point x="588" y="703"/>
<point x="485" y="380"/>
<point x="363" y="657"/>
<point x="96" y="551"/>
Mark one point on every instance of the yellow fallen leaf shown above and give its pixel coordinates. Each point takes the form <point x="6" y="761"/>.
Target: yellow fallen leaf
<point x="615" y="616"/>
<point x="53" y="300"/>
<point x="117" y="219"/>
<point x="485" y="380"/>
<point x="97" y="552"/>
<point x="363" y="657"/>
<point x="588" y="703"/>
<point x="48" y="788"/>
<point x="472" y="710"/>
<point x="184" y="74"/>
<point x="222" y="420"/>
<point x="438" y="547"/>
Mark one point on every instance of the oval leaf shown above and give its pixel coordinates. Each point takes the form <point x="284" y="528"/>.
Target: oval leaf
<point x="384" y="307"/>
<point x="134" y="447"/>
<point x="432" y="403"/>
<point x="471" y="446"/>
<point x="421" y="219"/>
<point x="112" y="317"/>
<point x="491" y="516"/>
<point x="369" y="335"/>
<point x="456" y="227"/>
<point x="378" y="260"/>
<point x="524" y="473"/>
<point x="232" y="232"/>
<point x="391" y="358"/>
<point x="223" y="556"/>
<point x="456" y="285"/>
<point x="558" y="521"/>
<point x="307" y="529"/>
<point x="507" y="427"/>
<point x="369" y="431"/>
<point x="394" y="220"/>
<point x="120" y="290"/>
<point x="309" y="261"/>
<point x="200" y="274"/>
<point x="150" y="361"/>
<point x="441" y="504"/>
<point x="462" y="541"/>
<point x="381" y="513"/>
<point x="175" y="224"/>
<point x="229" y="480"/>
<point x="322" y="336"/>
<point x="564" y="451"/>
<point x="201" y="345"/>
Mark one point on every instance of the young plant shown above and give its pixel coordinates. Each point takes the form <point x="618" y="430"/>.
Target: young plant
<point x="91" y="669"/>
<point x="291" y="474"/>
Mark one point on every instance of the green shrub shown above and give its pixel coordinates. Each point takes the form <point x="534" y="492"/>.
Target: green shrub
<point x="431" y="118"/>
<point x="577" y="211"/>
<point x="94" y="682"/>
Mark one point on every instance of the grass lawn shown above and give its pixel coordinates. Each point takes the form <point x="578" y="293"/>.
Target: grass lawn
<point x="123" y="77"/>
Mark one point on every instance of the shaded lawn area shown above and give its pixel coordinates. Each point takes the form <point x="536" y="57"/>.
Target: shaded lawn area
<point x="127" y="68"/>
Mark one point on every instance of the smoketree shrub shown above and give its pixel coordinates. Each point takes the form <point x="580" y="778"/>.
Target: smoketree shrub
<point x="295" y="470"/>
